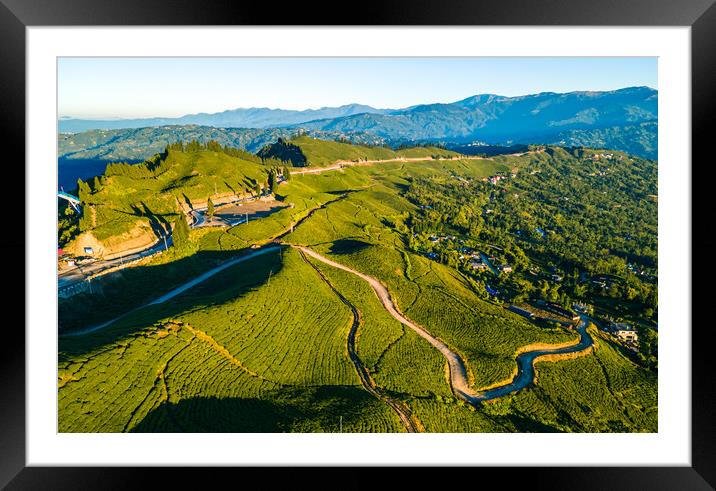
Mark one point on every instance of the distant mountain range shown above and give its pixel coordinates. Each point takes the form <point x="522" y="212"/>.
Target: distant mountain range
<point x="255" y="117"/>
<point x="624" y="119"/>
<point x="497" y="119"/>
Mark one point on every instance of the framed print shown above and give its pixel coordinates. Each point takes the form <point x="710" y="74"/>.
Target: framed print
<point x="298" y="244"/>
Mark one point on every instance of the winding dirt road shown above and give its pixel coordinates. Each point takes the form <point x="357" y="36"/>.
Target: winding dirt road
<point x="340" y="164"/>
<point x="458" y="373"/>
<point x="365" y="378"/>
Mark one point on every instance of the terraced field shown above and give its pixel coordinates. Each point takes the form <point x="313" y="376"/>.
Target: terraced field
<point x="218" y="349"/>
<point x="287" y="343"/>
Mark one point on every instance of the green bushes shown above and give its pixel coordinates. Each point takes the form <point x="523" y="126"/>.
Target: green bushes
<point x="263" y="345"/>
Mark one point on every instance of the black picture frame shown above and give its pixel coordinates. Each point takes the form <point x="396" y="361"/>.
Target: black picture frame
<point x="700" y="15"/>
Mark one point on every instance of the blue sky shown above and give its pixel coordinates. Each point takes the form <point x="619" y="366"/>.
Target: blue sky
<point x="170" y="87"/>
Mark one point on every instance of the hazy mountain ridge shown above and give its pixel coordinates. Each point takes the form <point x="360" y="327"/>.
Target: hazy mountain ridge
<point x="142" y="143"/>
<point x="255" y="117"/>
<point x="498" y="119"/>
<point x="624" y="119"/>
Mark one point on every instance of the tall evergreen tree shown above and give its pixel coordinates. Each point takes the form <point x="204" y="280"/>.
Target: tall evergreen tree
<point x="180" y="232"/>
<point x="273" y="180"/>
<point x="210" y="209"/>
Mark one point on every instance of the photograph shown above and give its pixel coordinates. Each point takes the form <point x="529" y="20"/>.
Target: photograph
<point x="357" y="244"/>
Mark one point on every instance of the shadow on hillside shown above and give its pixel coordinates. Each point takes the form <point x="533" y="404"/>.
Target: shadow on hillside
<point x="123" y="295"/>
<point x="160" y="225"/>
<point x="348" y="246"/>
<point x="309" y="409"/>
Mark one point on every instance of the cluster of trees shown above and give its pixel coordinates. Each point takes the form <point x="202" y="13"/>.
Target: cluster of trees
<point x="405" y="145"/>
<point x="148" y="169"/>
<point x="67" y="223"/>
<point x="566" y="212"/>
<point x="214" y="146"/>
<point x="271" y="183"/>
<point x="285" y="152"/>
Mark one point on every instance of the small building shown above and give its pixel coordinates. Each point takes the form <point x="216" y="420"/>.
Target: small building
<point x="624" y="332"/>
<point x="505" y="268"/>
<point x="89" y="250"/>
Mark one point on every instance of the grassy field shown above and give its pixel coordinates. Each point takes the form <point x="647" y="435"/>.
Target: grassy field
<point x="433" y="295"/>
<point x="604" y="392"/>
<point x="251" y="340"/>
<point x="262" y="346"/>
<point x="321" y="153"/>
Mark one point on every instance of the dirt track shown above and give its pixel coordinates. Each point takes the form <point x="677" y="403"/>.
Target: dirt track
<point x="340" y="164"/>
<point x="458" y="373"/>
<point x="365" y="378"/>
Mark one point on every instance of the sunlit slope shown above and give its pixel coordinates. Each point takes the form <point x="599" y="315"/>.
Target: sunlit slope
<point x="324" y="152"/>
<point x="263" y="346"/>
<point x="265" y="336"/>
<point x="362" y="231"/>
<point x="151" y="193"/>
<point x="605" y="392"/>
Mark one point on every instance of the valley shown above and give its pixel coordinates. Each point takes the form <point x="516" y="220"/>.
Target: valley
<point x="352" y="297"/>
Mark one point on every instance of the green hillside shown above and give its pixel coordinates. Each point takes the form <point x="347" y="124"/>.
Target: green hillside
<point x="264" y="345"/>
<point x="151" y="193"/>
<point x="304" y="150"/>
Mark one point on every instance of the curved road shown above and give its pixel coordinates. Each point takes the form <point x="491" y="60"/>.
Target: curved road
<point x="526" y="369"/>
<point x="180" y="289"/>
<point x="458" y="373"/>
<point x="77" y="274"/>
<point x="365" y="378"/>
<point x="340" y="164"/>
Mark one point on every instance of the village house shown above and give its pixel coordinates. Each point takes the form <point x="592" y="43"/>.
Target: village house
<point x="624" y="332"/>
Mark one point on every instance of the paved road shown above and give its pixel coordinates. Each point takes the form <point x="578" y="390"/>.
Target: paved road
<point x="76" y="274"/>
<point x="525" y="365"/>
<point x="180" y="289"/>
<point x="458" y="373"/>
<point x="73" y="275"/>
